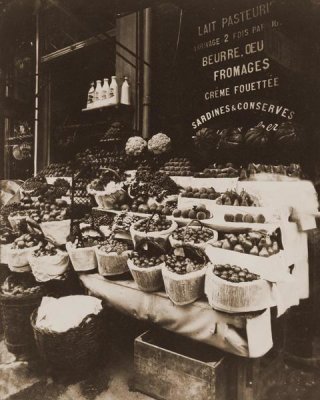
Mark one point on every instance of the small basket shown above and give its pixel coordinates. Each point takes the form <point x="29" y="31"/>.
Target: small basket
<point x="46" y="268"/>
<point x="74" y="352"/>
<point x="82" y="259"/>
<point x="184" y="289"/>
<point x="160" y="238"/>
<point x="56" y="231"/>
<point x="148" y="279"/>
<point x="180" y="243"/>
<point x="16" y="311"/>
<point x="18" y="259"/>
<point x="110" y="264"/>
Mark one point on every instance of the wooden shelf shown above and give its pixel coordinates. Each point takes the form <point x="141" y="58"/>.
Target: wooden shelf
<point x="120" y="107"/>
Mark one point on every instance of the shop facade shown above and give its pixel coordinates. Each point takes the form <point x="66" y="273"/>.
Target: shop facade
<point x="162" y="157"/>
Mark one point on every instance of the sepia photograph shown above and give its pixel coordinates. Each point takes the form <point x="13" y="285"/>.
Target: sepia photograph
<point x="159" y="199"/>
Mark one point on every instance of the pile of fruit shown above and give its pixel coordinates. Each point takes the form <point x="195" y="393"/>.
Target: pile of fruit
<point x="80" y="243"/>
<point x="232" y="198"/>
<point x="112" y="245"/>
<point x="292" y="170"/>
<point x="182" y="265"/>
<point x="148" y="184"/>
<point x="57" y="210"/>
<point x="191" y="235"/>
<point x="145" y="261"/>
<point x="228" y="170"/>
<point x="254" y="243"/>
<point x="35" y="184"/>
<point x="249" y="218"/>
<point x="27" y="240"/>
<point x="206" y="139"/>
<point x="196" y="212"/>
<point x="257" y="136"/>
<point x="123" y="221"/>
<point x="230" y="138"/>
<point x="153" y="224"/>
<point x="233" y="273"/>
<point x="47" y="249"/>
<point x="105" y="177"/>
<point x="178" y="167"/>
<point x="200" y="193"/>
<point x="57" y="169"/>
<point x="116" y="131"/>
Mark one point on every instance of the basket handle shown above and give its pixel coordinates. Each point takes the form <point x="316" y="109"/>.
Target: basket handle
<point x="197" y="221"/>
<point x="150" y="218"/>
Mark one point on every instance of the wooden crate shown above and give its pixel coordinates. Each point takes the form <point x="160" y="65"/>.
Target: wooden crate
<point x="170" y="367"/>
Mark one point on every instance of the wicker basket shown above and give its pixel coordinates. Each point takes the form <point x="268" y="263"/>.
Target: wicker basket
<point x="192" y="225"/>
<point x="110" y="264"/>
<point x="74" y="352"/>
<point x="148" y="279"/>
<point x="184" y="289"/>
<point x="82" y="259"/>
<point x="16" y="311"/>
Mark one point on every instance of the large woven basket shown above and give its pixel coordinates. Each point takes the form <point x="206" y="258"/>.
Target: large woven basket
<point x="16" y="311"/>
<point x="148" y="279"/>
<point x="74" y="352"/>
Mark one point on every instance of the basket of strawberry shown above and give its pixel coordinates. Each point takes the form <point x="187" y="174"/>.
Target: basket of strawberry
<point x="112" y="256"/>
<point x="183" y="275"/>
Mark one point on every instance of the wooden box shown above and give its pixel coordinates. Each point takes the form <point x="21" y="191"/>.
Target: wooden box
<point x="170" y="367"/>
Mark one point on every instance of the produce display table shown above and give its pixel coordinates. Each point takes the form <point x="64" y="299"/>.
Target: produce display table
<point x="247" y="335"/>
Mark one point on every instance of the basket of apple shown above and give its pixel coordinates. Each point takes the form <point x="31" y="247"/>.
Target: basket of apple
<point x="112" y="256"/>
<point x="183" y="275"/>
<point x="18" y="252"/>
<point x="81" y="248"/>
<point x="55" y="220"/>
<point x="156" y="228"/>
<point x="146" y="267"/>
<point x="193" y="234"/>
<point x="48" y="262"/>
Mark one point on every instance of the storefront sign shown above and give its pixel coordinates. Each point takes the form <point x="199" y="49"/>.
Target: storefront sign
<point x="241" y="60"/>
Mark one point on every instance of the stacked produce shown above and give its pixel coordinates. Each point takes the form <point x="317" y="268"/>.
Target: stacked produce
<point x="199" y="212"/>
<point x="152" y="185"/>
<point x="206" y="139"/>
<point x="248" y="218"/>
<point x="257" y="136"/>
<point x="153" y="225"/>
<point x="57" y="169"/>
<point x="200" y="193"/>
<point x="292" y="170"/>
<point x="116" y="131"/>
<point x="122" y="222"/>
<point x="254" y="243"/>
<point x="232" y="198"/>
<point x="288" y="134"/>
<point x="215" y="170"/>
<point x="178" y="166"/>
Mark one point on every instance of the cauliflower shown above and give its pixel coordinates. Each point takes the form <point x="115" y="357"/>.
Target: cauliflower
<point x="159" y="143"/>
<point x="135" y="145"/>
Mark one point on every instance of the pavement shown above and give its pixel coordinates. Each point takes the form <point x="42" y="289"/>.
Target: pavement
<point x="26" y="380"/>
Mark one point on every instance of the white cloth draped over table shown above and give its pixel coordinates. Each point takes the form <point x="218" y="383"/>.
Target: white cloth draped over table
<point x="247" y="335"/>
